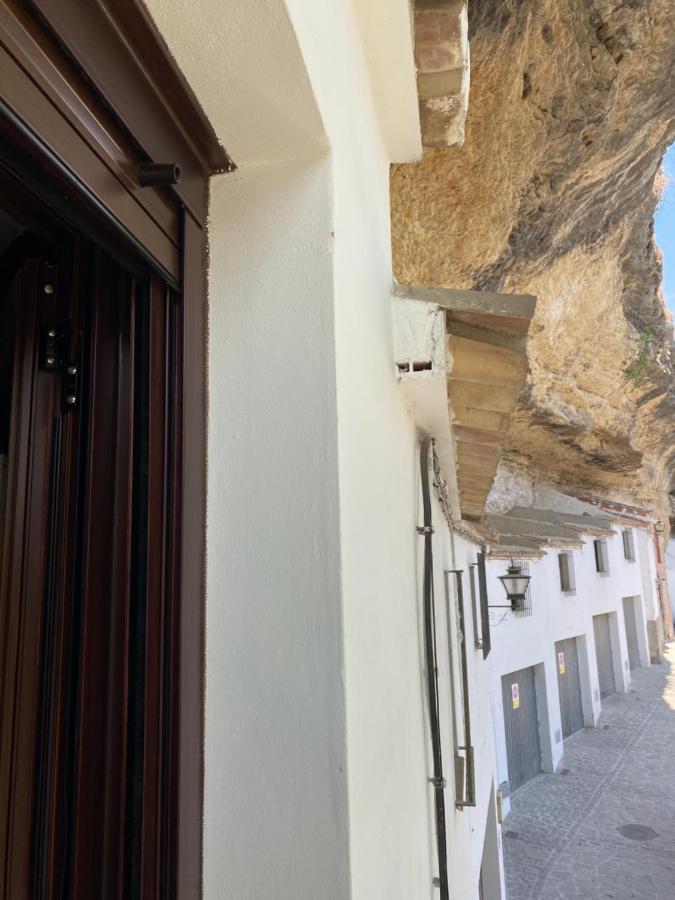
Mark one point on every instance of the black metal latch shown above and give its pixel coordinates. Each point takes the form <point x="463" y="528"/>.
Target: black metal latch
<point x="53" y="345"/>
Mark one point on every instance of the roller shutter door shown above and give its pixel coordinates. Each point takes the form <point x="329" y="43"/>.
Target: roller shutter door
<point x="569" y="686"/>
<point x="631" y="632"/>
<point x="521" y="724"/>
<point x="603" y="653"/>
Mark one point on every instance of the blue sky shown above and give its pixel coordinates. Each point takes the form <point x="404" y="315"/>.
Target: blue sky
<point x="665" y="229"/>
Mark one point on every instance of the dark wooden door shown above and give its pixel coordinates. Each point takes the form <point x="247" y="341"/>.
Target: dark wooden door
<point x="89" y="584"/>
<point x="29" y="576"/>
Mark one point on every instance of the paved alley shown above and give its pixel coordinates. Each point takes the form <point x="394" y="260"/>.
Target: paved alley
<point x="604" y="827"/>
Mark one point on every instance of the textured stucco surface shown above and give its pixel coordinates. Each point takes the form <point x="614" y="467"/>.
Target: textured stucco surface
<point x="553" y="193"/>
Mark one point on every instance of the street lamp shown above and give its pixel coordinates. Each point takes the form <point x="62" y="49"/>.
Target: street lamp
<point x="515" y="584"/>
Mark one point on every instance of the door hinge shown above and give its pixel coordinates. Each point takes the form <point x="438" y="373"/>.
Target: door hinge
<point x="71" y="385"/>
<point x="52" y="345"/>
<point x="53" y="358"/>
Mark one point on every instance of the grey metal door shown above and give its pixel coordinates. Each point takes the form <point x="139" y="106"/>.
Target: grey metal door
<point x="569" y="686"/>
<point x="631" y="632"/>
<point x="521" y="724"/>
<point x="604" y="656"/>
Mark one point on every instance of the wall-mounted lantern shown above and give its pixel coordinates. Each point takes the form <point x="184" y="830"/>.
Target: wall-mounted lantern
<point x="515" y="584"/>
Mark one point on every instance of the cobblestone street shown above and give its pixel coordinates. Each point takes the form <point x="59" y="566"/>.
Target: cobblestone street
<point x="604" y="827"/>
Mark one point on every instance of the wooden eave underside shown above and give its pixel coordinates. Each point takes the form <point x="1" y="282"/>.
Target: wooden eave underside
<point x="495" y="551"/>
<point x="597" y="526"/>
<point x="487" y="365"/>
<point x="530" y="528"/>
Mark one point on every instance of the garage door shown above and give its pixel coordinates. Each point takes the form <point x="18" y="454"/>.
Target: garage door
<point x="521" y="725"/>
<point x="603" y="653"/>
<point x="631" y="632"/>
<point x="569" y="686"/>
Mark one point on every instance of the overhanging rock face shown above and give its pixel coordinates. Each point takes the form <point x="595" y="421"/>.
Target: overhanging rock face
<point x="486" y="367"/>
<point x="553" y="193"/>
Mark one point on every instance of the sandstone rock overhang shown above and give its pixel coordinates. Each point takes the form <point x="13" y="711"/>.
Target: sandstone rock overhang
<point x="553" y="193"/>
<point x="486" y="337"/>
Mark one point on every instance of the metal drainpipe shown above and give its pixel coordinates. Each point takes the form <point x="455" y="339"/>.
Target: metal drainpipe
<point x="662" y="585"/>
<point x="438" y="781"/>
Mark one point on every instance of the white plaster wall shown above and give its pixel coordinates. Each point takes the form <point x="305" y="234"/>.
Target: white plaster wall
<point x="670" y="571"/>
<point x="466" y="828"/>
<point x="276" y="803"/>
<point x="645" y="547"/>
<point x="392" y="832"/>
<point x="316" y="750"/>
<point x="276" y="787"/>
<point x="377" y="447"/>
<point x="519" y="642"/>
<point x="387" y="36"/>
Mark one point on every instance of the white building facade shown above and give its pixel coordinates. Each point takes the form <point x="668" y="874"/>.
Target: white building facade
<point x="320" y="774"/>
<point x="316" y="743"/>
<point x="583" y="631"/>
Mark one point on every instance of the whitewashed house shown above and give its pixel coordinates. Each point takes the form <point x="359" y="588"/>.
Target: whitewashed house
<point x="253" y="626"/>
<point x="581" y="631"/>
<point x="349" y="730"/>
<point x="319" y="765"/>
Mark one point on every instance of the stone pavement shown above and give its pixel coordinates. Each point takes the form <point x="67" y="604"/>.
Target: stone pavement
<point x="604" y="826"/>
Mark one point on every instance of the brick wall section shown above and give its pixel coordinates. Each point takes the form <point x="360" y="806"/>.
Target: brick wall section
<point x="442" y="59"/>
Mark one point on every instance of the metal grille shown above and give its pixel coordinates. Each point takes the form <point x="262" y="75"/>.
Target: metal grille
<point x="631" y="632"/>
<point x="527" y="605"/>
<point x="521" y="726"/>
<point x="604" y="656"/>
<point x="569" y="686"/>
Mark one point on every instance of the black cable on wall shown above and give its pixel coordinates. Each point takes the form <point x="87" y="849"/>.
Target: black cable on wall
<point x="432" y="670"/>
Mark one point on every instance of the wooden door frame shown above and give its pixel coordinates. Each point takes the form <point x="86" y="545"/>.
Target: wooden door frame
<point x="66" y="67"/>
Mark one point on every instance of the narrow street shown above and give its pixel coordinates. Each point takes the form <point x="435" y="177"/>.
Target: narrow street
<point x="604" y="827"/>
